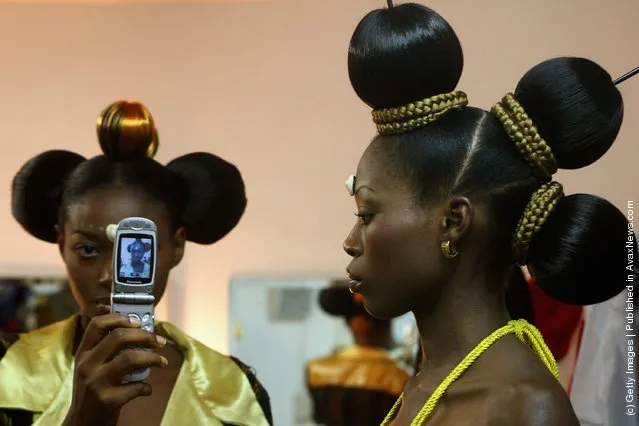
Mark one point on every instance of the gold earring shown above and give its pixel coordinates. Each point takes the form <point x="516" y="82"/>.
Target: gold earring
<point x="449" y="251"/>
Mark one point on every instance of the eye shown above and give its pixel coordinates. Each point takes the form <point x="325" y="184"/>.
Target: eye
<point x="87" y="251"/>
<point x="365" y="217"/>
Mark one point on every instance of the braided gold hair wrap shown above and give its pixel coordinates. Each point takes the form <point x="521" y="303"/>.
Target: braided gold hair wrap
<point x="541" y="205"/>
<point x="402" y="119"/>
<point x="538" y="154"/>
<point x="523" y="132"/>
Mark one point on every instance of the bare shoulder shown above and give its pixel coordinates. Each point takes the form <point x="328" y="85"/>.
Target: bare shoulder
<point x="531" y="403"/>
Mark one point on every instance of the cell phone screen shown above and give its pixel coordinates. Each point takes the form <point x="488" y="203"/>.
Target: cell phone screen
<point x="135" y="258"/>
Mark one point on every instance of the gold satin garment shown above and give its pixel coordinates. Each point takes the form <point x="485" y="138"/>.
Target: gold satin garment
<point x="358" y="367"/>
<point x="36" y="375"/>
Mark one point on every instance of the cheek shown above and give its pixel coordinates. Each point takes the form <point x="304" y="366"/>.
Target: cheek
<point x="83" y="276"/>
<point x="388" y="242"/>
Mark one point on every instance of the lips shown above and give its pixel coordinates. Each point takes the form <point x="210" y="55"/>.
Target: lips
<point x="104" y="301"/>
<point x="356" y="282"/>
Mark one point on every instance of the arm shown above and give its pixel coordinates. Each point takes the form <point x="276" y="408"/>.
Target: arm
<point x="532" y="405"/>
<point x="258" y="389"/>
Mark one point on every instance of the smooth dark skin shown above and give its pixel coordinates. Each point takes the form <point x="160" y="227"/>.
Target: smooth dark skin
<point x="99" y="398"/>
<point x="396" y="253"/>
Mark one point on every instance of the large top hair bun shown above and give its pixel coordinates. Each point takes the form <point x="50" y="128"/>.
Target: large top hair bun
<point x="403" y="54"/>
<point x="127" y="132"/>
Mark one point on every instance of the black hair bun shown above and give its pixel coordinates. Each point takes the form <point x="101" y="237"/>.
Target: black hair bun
<point x="575" y="106"/>
<point x="36" y="192"/>
<point x="403" y="54"/>
<point x="338" y="301"/>
<point x="216" y="196"/>
<point x="581" y="254"/>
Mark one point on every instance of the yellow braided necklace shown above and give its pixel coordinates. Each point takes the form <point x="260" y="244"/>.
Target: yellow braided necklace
<point x="526" y="332"/>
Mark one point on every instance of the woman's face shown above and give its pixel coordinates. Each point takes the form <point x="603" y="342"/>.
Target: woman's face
<point x="137" y="251"/>
<point x="395" y="244"/>
<point x="87" y="252"/>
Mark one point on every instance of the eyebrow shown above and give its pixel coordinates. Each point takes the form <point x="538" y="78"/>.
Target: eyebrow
<point x="86" y="234"/>
<point x="361" y="187"/>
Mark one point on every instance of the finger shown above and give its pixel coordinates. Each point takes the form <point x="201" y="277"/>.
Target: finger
<point x="119" y="339"/>
<point x="129" y="361"/>
<point x="118" y="396"/>
<point x="100" y="326"/>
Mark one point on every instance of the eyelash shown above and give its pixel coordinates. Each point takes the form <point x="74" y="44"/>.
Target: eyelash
<point x="366" y="218"/>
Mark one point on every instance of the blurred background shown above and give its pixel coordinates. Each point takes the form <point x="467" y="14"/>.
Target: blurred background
<point x="263" y="84"/>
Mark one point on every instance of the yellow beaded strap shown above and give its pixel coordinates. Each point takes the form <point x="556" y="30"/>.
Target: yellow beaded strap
<point x="523" y="132"/>
<point x="521" y="328"/>
<point x="541" y="205"/>
<point x="417" y="114"/>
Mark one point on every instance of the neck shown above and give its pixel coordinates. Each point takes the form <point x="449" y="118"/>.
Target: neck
<point x="465" y="314"/>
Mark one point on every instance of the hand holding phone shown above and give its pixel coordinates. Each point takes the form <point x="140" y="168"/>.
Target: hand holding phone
<point x="98" y="394"/>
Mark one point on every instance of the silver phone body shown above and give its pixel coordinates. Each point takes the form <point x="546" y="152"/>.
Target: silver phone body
<point x="132" y="293"/>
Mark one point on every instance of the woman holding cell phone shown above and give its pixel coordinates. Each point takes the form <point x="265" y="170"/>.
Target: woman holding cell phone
<point x="70" y="373"/>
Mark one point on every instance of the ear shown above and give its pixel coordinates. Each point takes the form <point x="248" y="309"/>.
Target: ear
<point x="457" y="219"/>
<point x="59" y="235"/>
<point x="147" y="247"/>
<point x="179" y="241"/>
<point x="128" y="248"/>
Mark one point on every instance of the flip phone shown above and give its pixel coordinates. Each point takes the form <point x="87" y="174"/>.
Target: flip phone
<point x="134" y="264"/>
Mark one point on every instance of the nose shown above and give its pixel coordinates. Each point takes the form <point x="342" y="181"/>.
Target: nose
<point x="106" y="275"/>
<point x="352" y="243"/>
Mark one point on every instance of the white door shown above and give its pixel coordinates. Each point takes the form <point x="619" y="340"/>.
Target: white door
<point x="277" y="326"/>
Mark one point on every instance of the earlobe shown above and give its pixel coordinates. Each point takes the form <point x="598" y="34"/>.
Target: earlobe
<point x="177" y="257"/>
<point x="179" y="241"/>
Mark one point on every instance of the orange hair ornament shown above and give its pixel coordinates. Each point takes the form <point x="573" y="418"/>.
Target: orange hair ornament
<point x="127" y="132"/>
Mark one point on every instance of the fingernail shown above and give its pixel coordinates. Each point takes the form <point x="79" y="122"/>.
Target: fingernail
<point x="161" y="340"/>
<point x="134" y="321"/>
<point x="164" y="360"/>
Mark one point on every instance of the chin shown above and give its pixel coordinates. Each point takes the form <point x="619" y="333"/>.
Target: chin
<point x="383" y="310"/>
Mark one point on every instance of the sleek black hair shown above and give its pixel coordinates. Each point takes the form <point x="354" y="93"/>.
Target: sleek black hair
<point x="200" y="191"/>
<point x="407" y="53"/>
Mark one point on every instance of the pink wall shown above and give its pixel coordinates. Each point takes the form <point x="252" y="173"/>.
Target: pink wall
<point x="264" y="84"/>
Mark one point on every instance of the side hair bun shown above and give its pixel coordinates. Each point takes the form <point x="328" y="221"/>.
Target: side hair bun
<point x="126" y="131"/>
<point x="580" y="255"/>
<point x="338" y="301"/>
<point x="36" y="192"/>
<point x="575" y="107"/>
<point x="215" y="196"/>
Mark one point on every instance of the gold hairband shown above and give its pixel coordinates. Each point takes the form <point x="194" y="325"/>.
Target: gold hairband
<point x="393" y="121"/>
<point x="523" y="132"/>
<point x="538" y="154"/>
<point x="541" y="205"/>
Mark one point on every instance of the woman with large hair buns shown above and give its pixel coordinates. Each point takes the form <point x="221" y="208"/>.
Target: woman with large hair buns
<point x="358" y="384"/>
<point x="452" y="199"/>
<point x="70" y="372"/>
